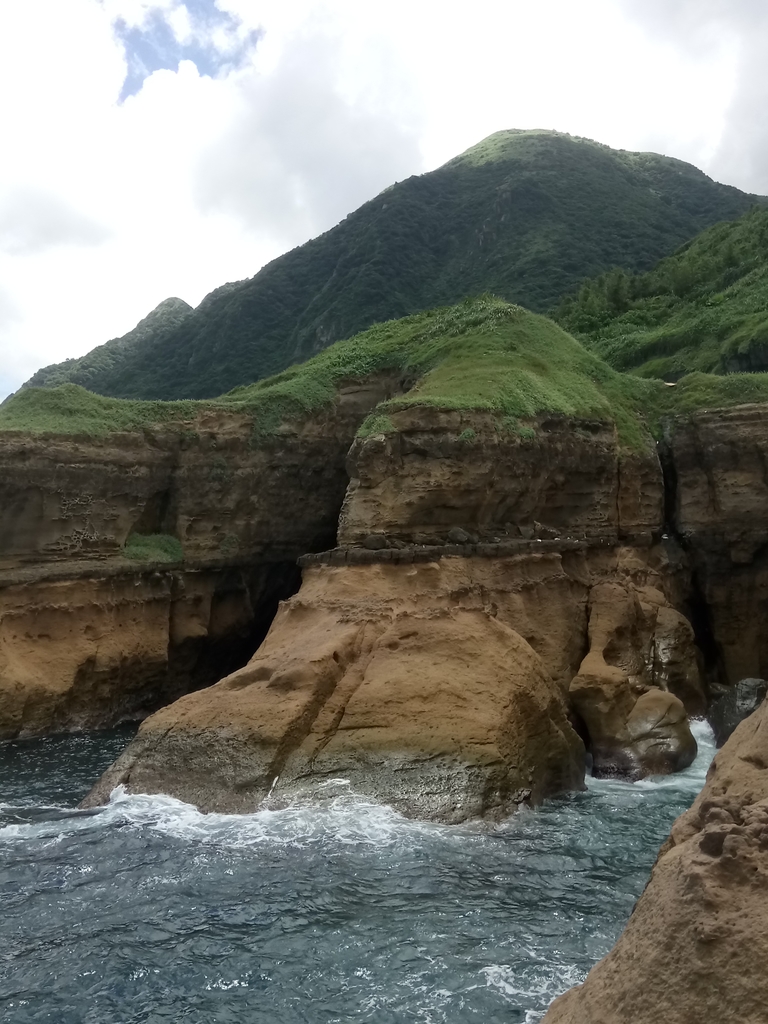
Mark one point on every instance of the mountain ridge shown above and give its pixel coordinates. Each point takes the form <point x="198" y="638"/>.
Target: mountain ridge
<point x="524" y="214"/>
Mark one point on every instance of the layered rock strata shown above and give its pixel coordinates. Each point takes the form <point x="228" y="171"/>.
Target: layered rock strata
<point x="717" y="488"/>
<point x="439" y="486"/>
<point x="89" y="637"/>
<point x="214" y="483"/>
<point x="107" y="644"/>
<point x="440" y="471"/>
<point x="697" y="940"/>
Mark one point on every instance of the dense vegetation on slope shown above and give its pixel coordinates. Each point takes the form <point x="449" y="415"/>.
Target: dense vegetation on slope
<point x="93" y="370"/>
<point x="483" y="354"/>
<point x="703" y="309"/>
<point x="525" y="215"/>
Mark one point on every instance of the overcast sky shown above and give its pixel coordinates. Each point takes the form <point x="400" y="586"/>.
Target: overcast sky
<point x="158" y="147"/>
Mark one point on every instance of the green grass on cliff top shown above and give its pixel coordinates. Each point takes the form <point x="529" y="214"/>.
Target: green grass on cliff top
<point x="484" y="354"/>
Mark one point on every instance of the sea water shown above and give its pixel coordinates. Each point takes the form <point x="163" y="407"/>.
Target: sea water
<point x="148" y="911"/>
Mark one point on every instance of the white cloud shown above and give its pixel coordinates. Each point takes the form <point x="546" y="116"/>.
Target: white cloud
<point x="739" y="150"/>
<point x="32" y="221"/>
<point x="297" y="156"/>
<point x="270" y="120"/>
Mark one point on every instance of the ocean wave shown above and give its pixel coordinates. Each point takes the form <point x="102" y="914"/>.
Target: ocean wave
<point x="334" y="813"/>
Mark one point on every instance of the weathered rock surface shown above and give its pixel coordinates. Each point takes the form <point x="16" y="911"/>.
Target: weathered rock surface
<point x="641" y="654"/>
<point x="696" y="942"/>
<point x="426" y="480"/>
<point x="88" y="651"/>
<point x="88" y="637"/>
<point x="223" y="494"/>
<point x="624" y="652"/>
<point x="718" y="496"/>
<point x="440" y="688"/>
<point x="733" y="707"/>
<point x="402" y="681"/>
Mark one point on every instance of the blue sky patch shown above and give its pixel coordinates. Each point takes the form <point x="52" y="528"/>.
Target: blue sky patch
<point x="153" y="46"/>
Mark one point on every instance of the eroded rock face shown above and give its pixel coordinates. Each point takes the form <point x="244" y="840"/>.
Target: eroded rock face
<point x="440" y="688"/>
<point x="90" y="651"/>
<point x="216" y="486"/>
<point x="446" y="471"/>
<point x="641" y="654"/>
<point x="733" y="707"/>
<point x="719" y="488"/>
<point x="697" y="940"/>
<point x="402" y="681"/>
<point x="88" y="637"/>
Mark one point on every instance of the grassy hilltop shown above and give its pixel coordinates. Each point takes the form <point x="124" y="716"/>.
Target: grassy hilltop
<point x="705" y="308"/>
<point x="524" y="214"/>
<point x="483" y="354"/>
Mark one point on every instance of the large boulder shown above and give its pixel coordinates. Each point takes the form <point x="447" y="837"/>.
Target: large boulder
<point x="403" y="680"/>
<point x="695" y="946"/>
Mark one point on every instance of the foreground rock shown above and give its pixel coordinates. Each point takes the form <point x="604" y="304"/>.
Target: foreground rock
<point x="695" y="947"/>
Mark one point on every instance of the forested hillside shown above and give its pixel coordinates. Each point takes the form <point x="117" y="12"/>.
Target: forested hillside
<point x="704" y="308"/>
<point x="526" y="215"/>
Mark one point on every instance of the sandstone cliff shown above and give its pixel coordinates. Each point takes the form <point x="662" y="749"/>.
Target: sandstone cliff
<point x="88" y="649"/>
<point x="89" y="637"/>
<point x="441" y="687"/>
<point x="558" y="476"/>
<point x="440" y="676"/>
<point x="718" y="495"/>
<point x="212" y="481"/>
<point x="495" y="439"/>
<point x="696" y="943"/>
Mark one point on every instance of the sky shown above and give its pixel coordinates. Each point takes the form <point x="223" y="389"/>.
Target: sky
<point x="153" y="148"/>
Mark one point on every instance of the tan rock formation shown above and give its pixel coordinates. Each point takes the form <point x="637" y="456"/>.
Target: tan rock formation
<point x="88" y="651"/>
<point x="88" y="637"/>
<point x="696" y="944"/>
<point x="403" y="681"/>
<point x="437" y="687"/>
<point x="639" y="648"/>
<point x="440" y="470"/>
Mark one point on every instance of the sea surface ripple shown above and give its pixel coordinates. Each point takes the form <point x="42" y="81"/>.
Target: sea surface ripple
<point x="148" y="911"/>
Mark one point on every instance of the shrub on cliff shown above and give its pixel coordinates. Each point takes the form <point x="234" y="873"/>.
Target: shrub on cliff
<point x="153" y="547"/>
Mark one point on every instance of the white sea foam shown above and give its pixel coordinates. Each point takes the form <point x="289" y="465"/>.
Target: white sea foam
<point x="688" y="781"/>
<point x="340" y="815"/>
<point x="541" y="985"/>
<point x="346" y="819"/>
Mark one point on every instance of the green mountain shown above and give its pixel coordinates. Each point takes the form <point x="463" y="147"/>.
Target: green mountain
<point x="705" y="308"/>
<point x="87" y="371"/>
<point x="524" y="214"/>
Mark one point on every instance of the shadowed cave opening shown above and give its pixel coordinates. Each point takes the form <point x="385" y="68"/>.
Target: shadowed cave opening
<point x="243" y="605"/>
<point x="233" y="637"/>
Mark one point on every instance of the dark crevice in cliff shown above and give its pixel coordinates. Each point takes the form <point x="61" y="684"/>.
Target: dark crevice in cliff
<point x="696" y="607"/>
<point x="201" y="662"/>
<point x="159" y="514"/>
<point x="243" y="607"/>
